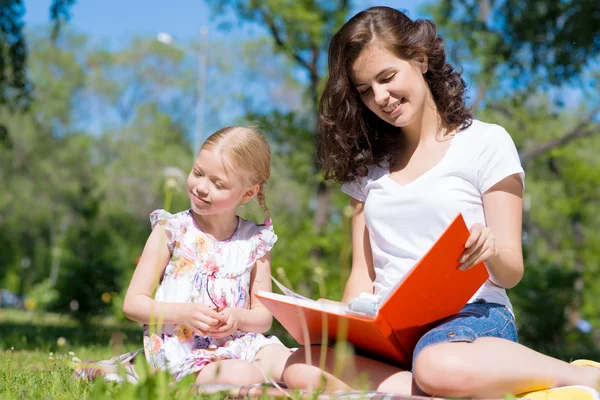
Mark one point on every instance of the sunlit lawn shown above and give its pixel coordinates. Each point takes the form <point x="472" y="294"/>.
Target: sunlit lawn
<point x="38" y="352"/>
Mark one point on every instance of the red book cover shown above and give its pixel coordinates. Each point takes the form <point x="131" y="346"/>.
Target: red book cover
<point x="434" y="289"/>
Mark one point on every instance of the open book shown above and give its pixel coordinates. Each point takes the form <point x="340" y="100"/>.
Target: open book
<point x="387" y="328"/>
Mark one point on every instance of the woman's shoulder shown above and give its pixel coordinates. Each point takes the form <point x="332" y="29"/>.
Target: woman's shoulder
<point x="480" y="131"/>
<point x="374" y="172"/>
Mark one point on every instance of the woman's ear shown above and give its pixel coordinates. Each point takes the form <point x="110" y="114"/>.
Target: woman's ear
<point x="249" y="194"/>
<point x="424" y="64"/>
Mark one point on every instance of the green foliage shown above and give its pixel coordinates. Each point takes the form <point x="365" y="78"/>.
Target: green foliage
<point x="15" y="87"/>
<point x="43" y="295"/>
<point x="555" y="39"/>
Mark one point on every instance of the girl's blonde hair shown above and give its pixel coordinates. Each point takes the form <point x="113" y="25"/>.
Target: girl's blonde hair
<point x="248" y="154"/>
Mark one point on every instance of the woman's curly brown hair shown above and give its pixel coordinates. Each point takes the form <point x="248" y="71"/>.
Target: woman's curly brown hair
<point x="351" y="137"/>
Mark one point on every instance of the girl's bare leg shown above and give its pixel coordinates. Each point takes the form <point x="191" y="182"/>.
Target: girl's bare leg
<point x="343" y="372"/>
<point x="233" y="372"/>
<point x="271" y="359"/>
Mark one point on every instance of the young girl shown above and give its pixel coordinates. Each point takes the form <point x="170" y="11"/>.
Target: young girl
<point x="209" y="263"/>
<point x="395" y="130"/>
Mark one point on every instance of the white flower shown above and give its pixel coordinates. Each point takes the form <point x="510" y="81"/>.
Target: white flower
<point x="71" y="353"/>
<point x="75" y="360"/>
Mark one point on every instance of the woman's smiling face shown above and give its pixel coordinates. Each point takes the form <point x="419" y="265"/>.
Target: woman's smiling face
<point x="391" y="87"/>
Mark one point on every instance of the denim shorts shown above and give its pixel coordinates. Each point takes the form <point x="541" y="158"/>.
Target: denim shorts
<point x="475" y="320"/>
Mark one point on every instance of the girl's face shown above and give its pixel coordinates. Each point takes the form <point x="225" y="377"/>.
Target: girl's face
<point x="393" y="88"/>
<point x="213" y="188"/>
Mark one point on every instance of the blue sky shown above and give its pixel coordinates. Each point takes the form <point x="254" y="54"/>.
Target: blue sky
<point x="112" y="23"/>
<point x="115" y="21"/>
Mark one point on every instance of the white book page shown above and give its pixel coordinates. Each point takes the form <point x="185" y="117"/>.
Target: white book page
<point x="288" y="292"/>
<point x="340" y="309"/>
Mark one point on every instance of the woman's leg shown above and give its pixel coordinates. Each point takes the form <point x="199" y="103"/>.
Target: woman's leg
<point x="493" y="367"/>
<point x="233" y="372"/>
<point x="271" y="359"/>
<point x="342" y="371"/>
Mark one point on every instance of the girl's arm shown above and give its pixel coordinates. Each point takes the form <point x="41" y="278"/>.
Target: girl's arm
<point x="257" y="319"/>
<point x="362" y="274"/>
<point x="139" y="304"/>
<point x="499" y="243"/>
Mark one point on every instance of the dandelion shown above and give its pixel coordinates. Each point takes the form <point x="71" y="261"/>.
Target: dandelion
<point x="12" y="349"/>
<point x="71" y="354"/>
<point x="61" y="341"/>
<point x="76" y="360"/>
<point x="30" y="304"/>
<point x="319" y="272"/>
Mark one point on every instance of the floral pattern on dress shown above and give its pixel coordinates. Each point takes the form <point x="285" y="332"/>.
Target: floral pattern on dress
<point x="205" y="271"/>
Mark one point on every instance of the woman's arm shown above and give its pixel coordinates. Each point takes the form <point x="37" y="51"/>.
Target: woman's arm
<point x="139" y="304"/>
<point x="362" y="274"/>
<point x="499" y="243"/>
<point x="257" y="319"/>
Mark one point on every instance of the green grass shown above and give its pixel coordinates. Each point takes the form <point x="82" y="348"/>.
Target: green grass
<point x="37" y="351"/>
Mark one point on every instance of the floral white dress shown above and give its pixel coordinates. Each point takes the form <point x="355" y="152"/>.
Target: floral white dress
<point x="203" y="270"/>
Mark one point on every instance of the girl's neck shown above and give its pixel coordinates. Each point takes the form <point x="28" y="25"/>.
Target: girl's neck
<point x="219" y="227"/>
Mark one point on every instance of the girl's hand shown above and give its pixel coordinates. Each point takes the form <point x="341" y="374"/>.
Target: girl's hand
<point x="200" y="317"/>
<point x="479" y="247"/>
<point x="229" y="326"/>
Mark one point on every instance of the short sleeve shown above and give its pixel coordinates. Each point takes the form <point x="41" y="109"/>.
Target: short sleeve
<point x="498" y="159"/>
<point x="262" y="242"/>
<point x="355" y="189"/>
<point x="162" y="217"/>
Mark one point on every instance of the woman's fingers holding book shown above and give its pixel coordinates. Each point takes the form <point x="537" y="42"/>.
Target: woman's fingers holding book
<point x="479" y="247"/>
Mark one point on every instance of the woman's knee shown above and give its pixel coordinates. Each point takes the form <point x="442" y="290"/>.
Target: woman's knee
<point x="439" y="370"/>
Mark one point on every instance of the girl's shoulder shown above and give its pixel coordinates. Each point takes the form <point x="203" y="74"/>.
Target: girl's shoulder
<point x="248" y="230"/>
<point x="164" y="217"/>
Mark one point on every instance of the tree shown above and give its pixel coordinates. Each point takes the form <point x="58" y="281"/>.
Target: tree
<point x="15" y="87"/>
<point x="301" y="30"/>
<point x="556" y="39"/>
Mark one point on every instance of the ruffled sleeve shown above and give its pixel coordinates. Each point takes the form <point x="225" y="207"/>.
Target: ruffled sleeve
<point x="262" y="243"/>
<point x="162" y="217"/>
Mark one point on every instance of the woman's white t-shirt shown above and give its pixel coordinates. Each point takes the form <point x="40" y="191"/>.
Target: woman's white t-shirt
<point x="405" y="220"/>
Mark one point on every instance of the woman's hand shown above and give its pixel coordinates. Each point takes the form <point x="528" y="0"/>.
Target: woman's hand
<point x="229" y="326"/>
<point x="479" y="247"/>
<point x="200" y="317"/>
